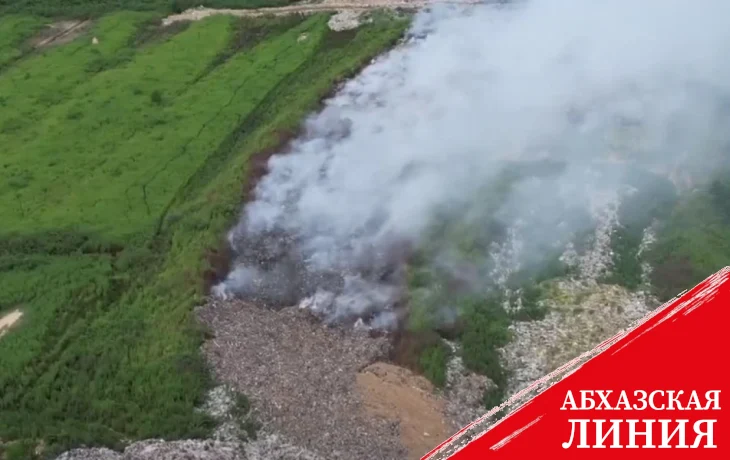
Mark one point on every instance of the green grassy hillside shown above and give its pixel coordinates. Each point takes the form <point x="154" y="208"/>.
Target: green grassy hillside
<point x="87" y="8"/>
<point x="122" y="165"/>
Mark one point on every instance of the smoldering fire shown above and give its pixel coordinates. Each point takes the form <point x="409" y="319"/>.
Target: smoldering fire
<point x="425" y="127"/>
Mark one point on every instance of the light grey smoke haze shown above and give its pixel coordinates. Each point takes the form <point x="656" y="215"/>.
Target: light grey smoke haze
<point x="428" y="125"/>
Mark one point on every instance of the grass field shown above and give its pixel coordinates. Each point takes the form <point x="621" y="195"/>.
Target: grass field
<point x="14" y="31"/>
<point x="86" y="8"/>
<point x="122" y="165"/>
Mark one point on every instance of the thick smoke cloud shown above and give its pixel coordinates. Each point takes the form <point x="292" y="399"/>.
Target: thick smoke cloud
<point x="429" y="125"/>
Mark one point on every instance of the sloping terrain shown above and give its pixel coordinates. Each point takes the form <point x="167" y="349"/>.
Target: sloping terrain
<point x="60" y="32"/>
<point x="396" y="394"/>
<point x="129" y="143"/>
<point x="308" y="7"/>
<point x="295" y="370"/>
<point x="558" y="234"/>
<point x="123" y="160"/>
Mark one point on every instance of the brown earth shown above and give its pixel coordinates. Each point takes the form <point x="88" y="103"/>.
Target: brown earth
<point x="396" y="394"/>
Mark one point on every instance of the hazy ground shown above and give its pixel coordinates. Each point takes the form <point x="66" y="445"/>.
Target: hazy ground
<point x="128" y="149"/>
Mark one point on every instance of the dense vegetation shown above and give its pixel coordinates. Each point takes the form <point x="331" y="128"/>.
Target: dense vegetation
<point x="694" y="241"/>
<point x="121" y="169"/>
<point x="15" y="30"/>
<point x="448" y="304"/>
<point x="692" y="232"/>
<point x="651" y="202"/>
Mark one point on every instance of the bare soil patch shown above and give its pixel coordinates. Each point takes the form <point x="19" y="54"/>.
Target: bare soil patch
<point x="59" y="33"/>
<point x="7" y="321"/>
<point x="397" y="394"/>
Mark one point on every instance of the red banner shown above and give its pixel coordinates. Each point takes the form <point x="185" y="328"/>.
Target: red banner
<point x="655" y="391"/>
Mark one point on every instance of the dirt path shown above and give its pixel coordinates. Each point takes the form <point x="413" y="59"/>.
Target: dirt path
<point x="60" y="32"/>
<point x="196" y="14"/>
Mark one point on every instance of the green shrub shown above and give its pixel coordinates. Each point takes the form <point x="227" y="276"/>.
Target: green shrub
<point x="23" y="450"/>
<point x="156" y="97"/>
<point x="531" y="310"/>
<point x="654" y="199"/>
<point x="720" y="194"/>
<point x="433" y="362"/>
<point x="485" y="331"/>
<point x="692" y="244"/>
<point x="493" y="397"/>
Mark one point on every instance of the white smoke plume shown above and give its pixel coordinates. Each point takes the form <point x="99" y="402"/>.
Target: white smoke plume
<point x="428" y="126"/>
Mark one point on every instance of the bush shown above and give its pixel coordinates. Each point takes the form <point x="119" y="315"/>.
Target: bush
<point x="485" y="331"/>
<point x="434" y="361"/>
<point x="247" y="423"/>
<point x="654" y="199"/>
<point x="531" y="309"/>
<point x="692" y="244"/>
<point x="176" y="7"/>
<point x="23" y="450"/>
<point x="493" y="397"/>
<point x="720" y="193"/>
<point x="156" y="97"/>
